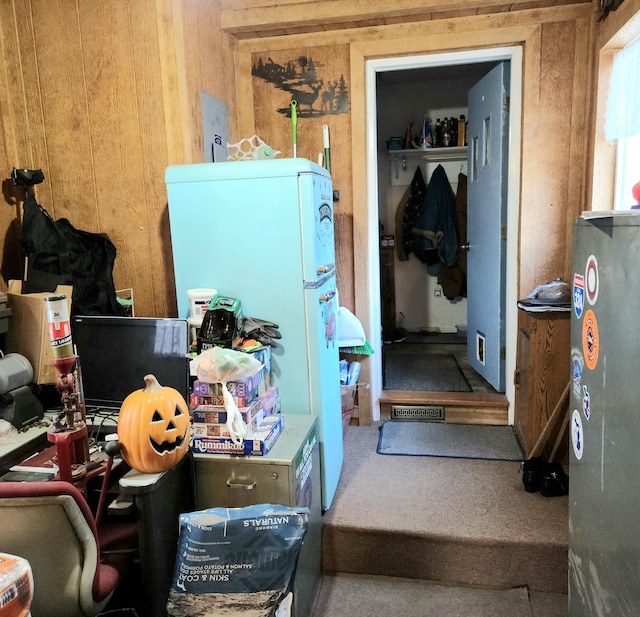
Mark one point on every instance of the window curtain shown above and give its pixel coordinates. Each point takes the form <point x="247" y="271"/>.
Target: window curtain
<point x="623" y="110"/>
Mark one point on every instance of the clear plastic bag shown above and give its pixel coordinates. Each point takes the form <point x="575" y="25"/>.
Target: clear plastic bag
<point x="8" y="432"/>
<point x="222" y="365"/>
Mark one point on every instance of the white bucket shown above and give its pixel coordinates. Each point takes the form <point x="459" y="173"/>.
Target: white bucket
<point x="199" y="300"/>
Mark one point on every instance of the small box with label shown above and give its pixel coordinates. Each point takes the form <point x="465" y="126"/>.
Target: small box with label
<point x="248" y="388"/>
<point x="217" y="400"/>
<point x="259" y="444"/>
<point x="208" y="429"/>
<point x="217" y="414"/>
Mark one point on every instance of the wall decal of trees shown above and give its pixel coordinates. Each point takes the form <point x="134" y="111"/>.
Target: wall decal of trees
<point x="300" y="79"/>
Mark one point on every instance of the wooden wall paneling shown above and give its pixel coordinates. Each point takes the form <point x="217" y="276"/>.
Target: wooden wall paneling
<point x="61" y="79"/>
<point x="582" y="109"/>
<point x="208" y="61"/>
<point x="11" y="100"/>
<point x="245" y="96"/>
<point x="11" y="88"/>
<point x="159" y="298"/>
<point x="547" y="236"/>
<point x="259" y="17"/>
<point x="361" y="199"/>
<point x="25" y="103"/>
<point x="173" y="80"/>
<point x="122" y="198"/>
<point x="532" y="158"/>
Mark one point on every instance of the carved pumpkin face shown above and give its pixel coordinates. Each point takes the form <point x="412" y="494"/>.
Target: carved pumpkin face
<point x="154" y="427"/>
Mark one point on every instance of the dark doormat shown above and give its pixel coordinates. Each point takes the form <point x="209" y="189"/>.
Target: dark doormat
<point x="449" y="440"/>
<point x="404" y="370"/>
<point x="435" y="338"/>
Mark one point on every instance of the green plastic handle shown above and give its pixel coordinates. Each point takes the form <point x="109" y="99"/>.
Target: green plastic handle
<point x="294" y="124"/>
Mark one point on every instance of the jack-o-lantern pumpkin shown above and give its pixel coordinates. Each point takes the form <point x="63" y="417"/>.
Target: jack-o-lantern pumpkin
<point x="154" y="427"/>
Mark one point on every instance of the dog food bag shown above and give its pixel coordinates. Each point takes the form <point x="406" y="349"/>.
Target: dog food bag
<point x="237" y="561"/>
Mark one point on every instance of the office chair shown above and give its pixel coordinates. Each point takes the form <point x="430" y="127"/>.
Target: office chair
<point x="75" y="569"/>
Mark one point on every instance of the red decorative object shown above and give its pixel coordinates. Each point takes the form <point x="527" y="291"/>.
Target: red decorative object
<point x="635" y="191"/>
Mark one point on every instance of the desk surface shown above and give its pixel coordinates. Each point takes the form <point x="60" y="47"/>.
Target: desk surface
<point x="21" y="439"/>
<point x="22" y="445"/>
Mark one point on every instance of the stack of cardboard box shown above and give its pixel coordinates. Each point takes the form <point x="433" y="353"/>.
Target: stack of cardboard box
<point x="258" y="404"/>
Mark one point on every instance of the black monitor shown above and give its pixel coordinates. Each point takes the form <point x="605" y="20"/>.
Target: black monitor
<point x="115" y="353"/>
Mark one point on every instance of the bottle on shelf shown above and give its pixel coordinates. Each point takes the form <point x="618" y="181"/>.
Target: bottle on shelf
<point x="438" y="137"/>
<point x="462" y="131"/>
<point x="446" y="133"/>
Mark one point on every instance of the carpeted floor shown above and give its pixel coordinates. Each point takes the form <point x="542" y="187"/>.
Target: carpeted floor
<point x="455" y="521"/>
<point x="353" y="595"/>
<point x="356" y="595"/>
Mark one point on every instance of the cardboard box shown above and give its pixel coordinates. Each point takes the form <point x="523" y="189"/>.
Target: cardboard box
<point x="28" y="332"/>
<point x="207" y="429"/>
<point x="259" y="444"/>
<point x="348" y="396"/>
<point x="270" y="401"/>
<point x="217" y="414"/>
<point x="217" y="400"/>
<point x="247" y="388"/>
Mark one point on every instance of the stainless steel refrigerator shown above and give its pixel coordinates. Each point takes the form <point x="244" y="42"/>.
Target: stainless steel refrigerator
<point x="604" y="491"/>
<point x="263" y="231"/>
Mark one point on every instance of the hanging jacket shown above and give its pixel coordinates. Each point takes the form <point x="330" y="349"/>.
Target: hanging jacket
<point x="453" y="280"/>
<point x="407" y="214"/>
<point x="435" y="236"/>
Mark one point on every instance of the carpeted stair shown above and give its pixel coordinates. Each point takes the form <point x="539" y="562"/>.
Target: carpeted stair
<point x="455" y="521"/>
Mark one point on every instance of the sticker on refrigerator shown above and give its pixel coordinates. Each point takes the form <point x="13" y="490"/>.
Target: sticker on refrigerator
<point x="577" y="362"/>
<point x="329" y="318"/>
<point x="578" y="294"/>
<point x="591" y="279"/>
<point x="577" y="434"/>
<point x="586" y="402"/>
<point x="590" y="339"/>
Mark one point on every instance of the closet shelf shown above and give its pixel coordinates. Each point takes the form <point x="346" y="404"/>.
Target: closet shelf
<point x="455" y="153"/>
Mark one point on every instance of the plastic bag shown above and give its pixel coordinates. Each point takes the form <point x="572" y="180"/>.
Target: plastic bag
<point x="221" y="365"/>
<point x="8" y="432"/>
<point x="237" y="561"/>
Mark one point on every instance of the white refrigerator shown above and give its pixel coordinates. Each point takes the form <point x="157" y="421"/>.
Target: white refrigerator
<point x="263" y="232"/>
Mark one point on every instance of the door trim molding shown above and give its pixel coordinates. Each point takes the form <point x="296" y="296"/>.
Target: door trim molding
<point x="365" y="219"/>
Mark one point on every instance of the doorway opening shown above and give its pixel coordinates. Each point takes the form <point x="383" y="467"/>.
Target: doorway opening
<point x="384" y="170"/>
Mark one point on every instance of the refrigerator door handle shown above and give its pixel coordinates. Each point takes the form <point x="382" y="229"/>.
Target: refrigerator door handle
<point x="241" y="485"/>
<point x="327" y="297"/>
<point x="318" y="283"/>
<point x="325" y="268"/>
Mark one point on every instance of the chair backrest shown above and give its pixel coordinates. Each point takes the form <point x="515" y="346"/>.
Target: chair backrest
<point x="51" y="525"/>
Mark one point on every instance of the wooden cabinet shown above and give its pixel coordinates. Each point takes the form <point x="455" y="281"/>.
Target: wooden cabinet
<point x="543" y="371"/>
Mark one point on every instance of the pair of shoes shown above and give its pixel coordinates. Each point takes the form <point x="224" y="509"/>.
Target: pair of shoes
<point x="532" y="470"/>
<point x="554" y="481"/>
<point x="548" y="478"/>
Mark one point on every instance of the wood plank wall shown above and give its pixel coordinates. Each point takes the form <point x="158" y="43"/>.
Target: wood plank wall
<point x="103" y="96"/>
